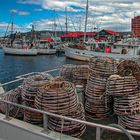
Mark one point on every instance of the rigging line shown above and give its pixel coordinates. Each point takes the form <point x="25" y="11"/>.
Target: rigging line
<point x="72" y="22"/>
<point x="7" y="28"/>
<point x="60" y="23"/>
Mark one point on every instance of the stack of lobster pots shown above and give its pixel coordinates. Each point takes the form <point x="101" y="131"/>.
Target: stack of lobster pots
<point x="30" y="87"/>
<point x="59" y="97"/>
<point x="78" y="74"/>
<point x="15" y="97"/>
<point x="97" y="103"/>
<point x="125" y="91"/>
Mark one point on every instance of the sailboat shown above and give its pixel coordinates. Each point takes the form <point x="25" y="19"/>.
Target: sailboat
<point x="47" y="45"/>
<point x="19" y="46"/>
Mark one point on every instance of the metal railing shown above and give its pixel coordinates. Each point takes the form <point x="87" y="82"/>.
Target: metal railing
<point x="98" y="127"/>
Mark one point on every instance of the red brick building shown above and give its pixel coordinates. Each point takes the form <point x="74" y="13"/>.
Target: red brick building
<point x="136" y="26"/>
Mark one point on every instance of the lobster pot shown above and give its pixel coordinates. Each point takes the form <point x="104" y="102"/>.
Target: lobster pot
<point x="57" y="97"/>
<point x="97" y="103"/>
<point x="60" y="97"/>
<point x="29" y="91"/>
<point x="127" y="105"/>
<point x="121" y="86"/>
<point x="103" y="66"/>
<point x="30" y="87"/>
<point x="72" y="128"/>
<point x="15" y="97"/>
<point x="131" y="122"/>
<point x="66" y="71"/>
<point x="33" y="117"/>
<point x="128" y="67"/>
<point x="80" y="76"/>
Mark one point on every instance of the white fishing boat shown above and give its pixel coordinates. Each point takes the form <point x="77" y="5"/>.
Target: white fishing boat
<point x="102" y="49"/>
<point x="19" y="46"/>
<point x="17" y="51"/>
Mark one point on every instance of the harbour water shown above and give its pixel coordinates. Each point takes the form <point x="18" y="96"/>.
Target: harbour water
<point x="12" y="66"/>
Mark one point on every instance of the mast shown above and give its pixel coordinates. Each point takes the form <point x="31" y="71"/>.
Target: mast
<point x="33" y="34"/>
<point x="55" y="25"/>
<point x="12" y="24"/>
<point x="87" y="6"/>
<point x="66" y="19"/>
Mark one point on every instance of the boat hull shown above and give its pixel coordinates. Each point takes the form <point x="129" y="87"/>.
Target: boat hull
<point x="21" y="52"/>
<point x="46" y="51"/>
<point x="84" y="55"/>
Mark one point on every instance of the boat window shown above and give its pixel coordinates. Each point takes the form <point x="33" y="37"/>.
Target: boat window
<point x="114" y="47"/>
<point x="124" y="51"/>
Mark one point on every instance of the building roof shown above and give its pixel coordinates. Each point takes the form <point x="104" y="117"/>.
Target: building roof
<point x="111" y="32"/>
<point x="79" y="34"/>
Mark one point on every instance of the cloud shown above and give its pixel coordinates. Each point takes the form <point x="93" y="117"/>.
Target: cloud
<point x="21" y="13"/>
<point x="108" y="14"/>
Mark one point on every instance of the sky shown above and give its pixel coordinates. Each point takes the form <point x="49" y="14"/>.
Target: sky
<point x="50" y="14"/>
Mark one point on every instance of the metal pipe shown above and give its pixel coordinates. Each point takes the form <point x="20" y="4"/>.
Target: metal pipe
<point x="124" y="130"/>
<point x="27" y="74"/>
<point x="75" y="120"/>
<point x="7" y="83"/>
<point x="45" y="123"/>
<point x="98" y="133"/>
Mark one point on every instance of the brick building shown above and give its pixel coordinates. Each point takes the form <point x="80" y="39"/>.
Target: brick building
<point x="136" y="26"/>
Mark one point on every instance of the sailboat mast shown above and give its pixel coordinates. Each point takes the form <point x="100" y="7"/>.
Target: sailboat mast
<point x="66" y="19"/>
<point x="12" y="24"/>
<point x="55" y="25"/>
<point x="33" y="33"/>
<point x="87" y="6"/>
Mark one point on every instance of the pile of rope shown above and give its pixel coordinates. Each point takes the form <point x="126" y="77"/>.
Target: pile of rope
<point x="130" y="122"/>
<point x="15" y="97"/>
<point x="59" y="97"/>
<point x="30" y="87"/>
<point x="75" y="46"/>
<point x="97" y="103"/>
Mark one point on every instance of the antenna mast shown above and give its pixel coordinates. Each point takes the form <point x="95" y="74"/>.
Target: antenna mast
<point x="87" y="6"/>
<point x="55" y="25"/>
<point x="66" y="19"/>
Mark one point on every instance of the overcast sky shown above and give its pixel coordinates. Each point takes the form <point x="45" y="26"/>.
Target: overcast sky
<point x="106" y="14"/>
